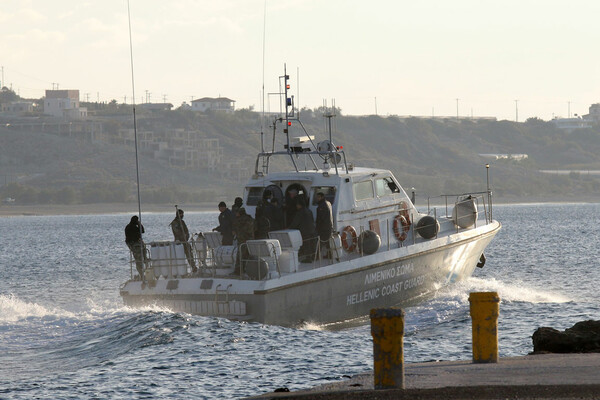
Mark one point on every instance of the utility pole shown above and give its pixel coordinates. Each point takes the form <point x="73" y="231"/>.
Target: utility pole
<point x="516" y="110"/>
<point x="164" y="98"/>
<point x="146" y="95"/>
<point x="87" y="97"/>
<point x="457" y="109"/>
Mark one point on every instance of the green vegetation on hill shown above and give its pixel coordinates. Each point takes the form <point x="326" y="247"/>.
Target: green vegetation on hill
<point x="434" y="156"/>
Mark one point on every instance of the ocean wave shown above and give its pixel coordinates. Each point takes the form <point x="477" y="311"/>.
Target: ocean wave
<point x="508" y="292"/>
<point x="13" y="309"/>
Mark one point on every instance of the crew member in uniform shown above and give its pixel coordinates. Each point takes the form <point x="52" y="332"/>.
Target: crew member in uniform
<point x="225" y="224"/>
<point x="243" y="227"/>
<point x="305" y="223"/>
<point x="182" y="234"/>
<point x="133" y="239"/>
<point x="324" y="223"/>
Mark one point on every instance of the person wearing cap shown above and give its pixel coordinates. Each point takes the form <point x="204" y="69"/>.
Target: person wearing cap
<point x="225" y="224"/>
<point x="133" y="239"/>
<point x="182" y="235"/>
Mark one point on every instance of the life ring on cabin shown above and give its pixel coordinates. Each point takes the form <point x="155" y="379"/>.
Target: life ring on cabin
<point x="401" y="226"/>
<point x="402" y="222"/>
<point x="349" y="238"/>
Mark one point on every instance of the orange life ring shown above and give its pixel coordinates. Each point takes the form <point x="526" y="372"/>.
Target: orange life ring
<point x="402" y="219"/>
<point x="349" y="233"/>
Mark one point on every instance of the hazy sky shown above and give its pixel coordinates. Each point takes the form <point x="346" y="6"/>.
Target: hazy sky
<point x="414" y="57"/>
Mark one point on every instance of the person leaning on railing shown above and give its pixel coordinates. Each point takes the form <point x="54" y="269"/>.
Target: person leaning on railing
<point x="133" y="239"/>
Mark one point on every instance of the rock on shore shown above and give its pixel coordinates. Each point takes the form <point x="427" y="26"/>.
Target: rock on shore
<point x="583" y="337"/>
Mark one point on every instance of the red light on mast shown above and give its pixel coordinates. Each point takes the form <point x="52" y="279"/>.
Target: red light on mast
<point x="287" y="86"/>
<point x="289" y="123"/>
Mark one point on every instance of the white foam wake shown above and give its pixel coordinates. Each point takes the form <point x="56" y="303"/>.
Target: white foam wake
<point x="13" y="309"/>
<point x="511" y="292"/>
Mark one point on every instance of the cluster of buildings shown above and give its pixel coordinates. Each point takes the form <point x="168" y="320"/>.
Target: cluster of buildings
<point x="64" y="115"/>
<point x="65" y="104"/>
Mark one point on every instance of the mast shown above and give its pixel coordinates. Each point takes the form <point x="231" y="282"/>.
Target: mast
<point x="137" y="162"/>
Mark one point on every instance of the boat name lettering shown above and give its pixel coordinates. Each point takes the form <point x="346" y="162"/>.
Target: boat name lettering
<point x="389" y="273"/>
<point x="386" y="290"/>
<point x="360" y="297"/>
<point x="414" y="282"/>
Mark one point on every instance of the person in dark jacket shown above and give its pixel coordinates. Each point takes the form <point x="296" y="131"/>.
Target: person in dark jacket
<point x="261" y="220"/>
<point x="244" y="231"/>
<point x="133" y="239"/>
<point x="225" y="224"/>
<point x="305" y="223"/>
<point x="182" y="234"/>
<point x="324" y="223"/>
<point x="289" y="206"/>
<point x="274" y="213"/>
<point x="237" y="203"/>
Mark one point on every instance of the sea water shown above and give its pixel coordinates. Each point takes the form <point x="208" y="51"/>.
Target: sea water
<point x="65" y="334"/>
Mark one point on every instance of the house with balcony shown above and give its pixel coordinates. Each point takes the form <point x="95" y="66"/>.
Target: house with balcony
<point x="222" y="104"/>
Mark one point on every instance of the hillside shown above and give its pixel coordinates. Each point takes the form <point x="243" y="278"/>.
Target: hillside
<point x="434" y="156"/>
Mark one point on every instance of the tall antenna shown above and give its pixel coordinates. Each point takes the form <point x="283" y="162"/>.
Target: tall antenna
<point x="137" y="162"/>
<point x="262" y="118"/>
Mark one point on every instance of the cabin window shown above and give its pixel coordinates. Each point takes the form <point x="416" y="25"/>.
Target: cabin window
<point x="363" y="190"/>
<point x="328" y="191"/>
<point x="254" y="195"/>
<point x="386" y="186"/>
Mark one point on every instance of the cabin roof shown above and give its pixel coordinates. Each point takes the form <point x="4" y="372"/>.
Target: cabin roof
<point x="317" y="176"/>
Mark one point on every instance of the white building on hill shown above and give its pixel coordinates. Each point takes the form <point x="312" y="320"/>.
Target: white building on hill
<point x="64" y="104"/>
<point x="208" y="103"/>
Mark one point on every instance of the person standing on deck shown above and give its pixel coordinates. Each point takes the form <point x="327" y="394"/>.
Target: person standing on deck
<point x="275" y="215"/>
<point x="133" y="239"/>
<point x="237" y="203"/>
<point x="305" y="223"/>
<point x="225" y="224"/>
<point x="324" y="223"/>
<point x="243" y="227"/>
<point x="182" y="234"/>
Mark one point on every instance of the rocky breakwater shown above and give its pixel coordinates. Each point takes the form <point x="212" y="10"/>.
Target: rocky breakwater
<point x="583" y="337"/>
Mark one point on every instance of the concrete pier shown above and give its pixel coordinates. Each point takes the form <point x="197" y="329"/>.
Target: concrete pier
<point x="544" y="376"/>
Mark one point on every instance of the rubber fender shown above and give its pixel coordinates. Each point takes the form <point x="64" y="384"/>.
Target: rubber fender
<point x="428" y="227"/>
<point x="369" y="242"/>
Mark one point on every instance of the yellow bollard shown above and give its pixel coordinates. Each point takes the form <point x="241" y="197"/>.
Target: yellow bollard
<point x="387" y="328"/>
<point x="484" y="316"/>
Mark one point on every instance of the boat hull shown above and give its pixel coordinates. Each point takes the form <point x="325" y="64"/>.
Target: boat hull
<point x="336" y="293"/>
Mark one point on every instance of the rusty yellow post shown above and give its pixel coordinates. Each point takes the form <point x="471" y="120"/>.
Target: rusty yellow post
<point x="484" y="316"/>
<point x="387" y="328"/>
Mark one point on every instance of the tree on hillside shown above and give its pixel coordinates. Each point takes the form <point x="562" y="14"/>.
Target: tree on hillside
<point x="7" y="95"/>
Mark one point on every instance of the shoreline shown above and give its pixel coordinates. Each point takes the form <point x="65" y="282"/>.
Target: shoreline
<point x="14" y="210"/>
<point x="96" y="209"/>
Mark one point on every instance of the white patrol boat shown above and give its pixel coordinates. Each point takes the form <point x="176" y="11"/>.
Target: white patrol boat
<point x="383" y="252"/>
